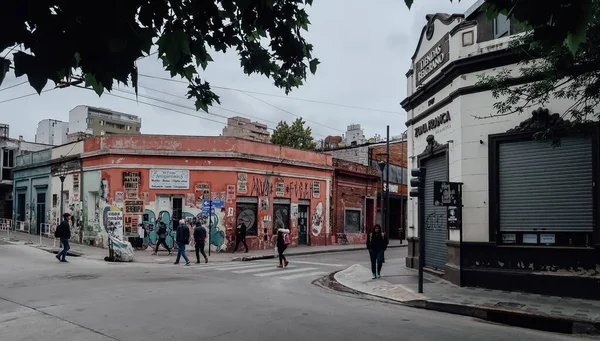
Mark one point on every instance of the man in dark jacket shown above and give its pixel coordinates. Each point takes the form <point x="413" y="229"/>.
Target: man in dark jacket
<point x="63" y="232"/>
<point x="183" y="239"/>
<point x="162" y="238"/>
<point x="199" y="238"/>
<point x="240" y="235"/>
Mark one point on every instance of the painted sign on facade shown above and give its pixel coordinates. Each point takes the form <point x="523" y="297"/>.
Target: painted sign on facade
<point x="433" y="60"/>
<point x="242" y="185"/>
<point x="134" y="206"/>
<point x="316" y="189"/>
<point x="169" y="179"/>
<point x="131" y="183"/>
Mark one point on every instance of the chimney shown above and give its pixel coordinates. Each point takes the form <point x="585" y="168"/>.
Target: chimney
<point x="20" y="137"/>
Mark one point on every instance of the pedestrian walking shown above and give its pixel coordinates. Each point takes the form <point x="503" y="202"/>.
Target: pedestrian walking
<point x="377" y="243"/>
<point x="162" y="238"/>
<point x="183" y="239"/>
<point x="240" y="235"/>
<point x="199" y="238"/>
<point x="63" y="232"/>
<point x="283" y="240"/>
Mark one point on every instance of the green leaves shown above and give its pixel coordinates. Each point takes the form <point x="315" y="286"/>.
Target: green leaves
<point x="294" y="136"/>
<point x="409" y="3"/>
<point x="4" y="67"/>
<point x="76" y="40"/>
<point x="313" y="65"/>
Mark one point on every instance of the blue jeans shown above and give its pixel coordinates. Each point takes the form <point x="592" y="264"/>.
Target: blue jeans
<point x="66" y="248"/>
<point x="376" y="257"/>
<point x="181" y="253"/>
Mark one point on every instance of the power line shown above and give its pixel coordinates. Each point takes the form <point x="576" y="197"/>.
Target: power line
<point x="279" y="96"/>
<point x="14" y="86"/>
<point x="289" y="112"/>
<point x="156" y="106"/>
<point x="219" y="107"/>
<point x="16" y="98"/>
<point x="190" y="108"/>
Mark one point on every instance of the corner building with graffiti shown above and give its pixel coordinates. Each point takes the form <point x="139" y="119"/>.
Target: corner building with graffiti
<point x="527" y="212"/>
<point x="133" y="182"/>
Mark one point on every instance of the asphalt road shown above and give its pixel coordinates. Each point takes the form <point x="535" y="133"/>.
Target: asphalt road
<point x="41" y="299"/>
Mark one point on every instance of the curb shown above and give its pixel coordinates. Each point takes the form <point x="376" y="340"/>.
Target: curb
<point x="304" y="253"/>
<point x="509" y="317"/>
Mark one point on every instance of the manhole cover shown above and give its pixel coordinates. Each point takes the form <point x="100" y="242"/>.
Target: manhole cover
<point x="509" y="305"/>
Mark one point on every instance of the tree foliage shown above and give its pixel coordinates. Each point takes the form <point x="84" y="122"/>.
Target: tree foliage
<point x="295" y="135"/>
<point x="98" y="42"/>
<point x="551" y="71"/>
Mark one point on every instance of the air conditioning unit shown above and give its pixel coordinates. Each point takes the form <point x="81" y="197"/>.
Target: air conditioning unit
<point x="8" y="196"/>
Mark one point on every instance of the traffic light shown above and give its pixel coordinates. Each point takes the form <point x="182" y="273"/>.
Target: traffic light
<point x="417" y="182"/>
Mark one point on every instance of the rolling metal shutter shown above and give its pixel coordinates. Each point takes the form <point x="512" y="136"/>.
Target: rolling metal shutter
<point x="436" y="232"/>
<point x="544" y="188"/>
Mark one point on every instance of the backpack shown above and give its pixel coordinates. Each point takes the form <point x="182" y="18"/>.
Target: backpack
<point x="56" y="232"/>
<point x="286" y="239"/>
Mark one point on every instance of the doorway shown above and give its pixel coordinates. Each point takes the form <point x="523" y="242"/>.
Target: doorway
<point x="303" y="224"/>
<point x="20" y="207"/>
<point x="40" y="211"/>
<point x="177" y="203"/>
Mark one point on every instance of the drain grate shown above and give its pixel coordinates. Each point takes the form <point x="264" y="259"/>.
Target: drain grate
<point x="509" y="305"/>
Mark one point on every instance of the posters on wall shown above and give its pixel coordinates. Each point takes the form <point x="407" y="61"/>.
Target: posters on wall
<point x="230" y="193"/>
<point x="169" y="178"/>
<point x="294" y="209"/>
<point x="242" y="185"/>
<point x="190" y="199"/>
<point x="119" y="197"/>
<point x="114" y="222"/>
<point x="203" y="190"/>
<point x="316" y="189"/>
<point x="280" y="188"/>
<point x="145" y="197"/>
<point x="131" y="224"/>
<point x="131" y="184"/>
<point x="133" y="206"/>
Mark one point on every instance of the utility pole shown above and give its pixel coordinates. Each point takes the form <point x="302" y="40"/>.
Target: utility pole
<point x="209" y="223"/>
<point x="387" y="187"/>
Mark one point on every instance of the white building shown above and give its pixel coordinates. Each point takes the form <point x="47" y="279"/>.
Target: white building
<point x="523" y="201"/>
<point x="354" y="136"/>
<point x="100" y="121"/>
<point x="53" y="132"/>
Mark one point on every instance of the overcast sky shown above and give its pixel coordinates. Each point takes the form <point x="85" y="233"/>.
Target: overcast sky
<point x="364" y="48"/>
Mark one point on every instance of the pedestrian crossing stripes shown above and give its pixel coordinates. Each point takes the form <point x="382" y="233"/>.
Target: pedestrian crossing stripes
<point x="266" y="269"/>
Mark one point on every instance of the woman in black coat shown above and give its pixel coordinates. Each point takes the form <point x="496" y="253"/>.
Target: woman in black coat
<point x="377" y="243"/>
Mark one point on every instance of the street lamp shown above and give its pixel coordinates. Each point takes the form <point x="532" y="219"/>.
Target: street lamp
<point x="62" y="175"/>
<point x="384" y="189"/>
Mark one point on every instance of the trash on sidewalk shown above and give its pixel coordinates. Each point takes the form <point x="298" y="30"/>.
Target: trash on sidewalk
<point x="122" y="251"/>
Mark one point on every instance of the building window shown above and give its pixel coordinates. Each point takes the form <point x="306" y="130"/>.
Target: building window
<point x="54" y="200"/>
<point x="90" y="120"/>
<point x="101" y="123"/>
<point x="248" y="212"/>
<point x="501" y="26"/>
<point x="8" y="158"/>
<point x="468" y="38"/>
<point x="352" y="220"/>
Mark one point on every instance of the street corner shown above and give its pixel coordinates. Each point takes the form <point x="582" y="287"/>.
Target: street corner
<point x="358" y="278"/>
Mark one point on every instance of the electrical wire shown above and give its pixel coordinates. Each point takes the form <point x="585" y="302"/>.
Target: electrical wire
<point x="16" y="98"/>
<point x="279" y="96"/>
<point x="14" y="85"/>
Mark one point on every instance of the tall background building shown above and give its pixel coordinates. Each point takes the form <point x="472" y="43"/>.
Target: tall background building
<point x="53" y="132"/>
<point x="99" y="121"/>
<point x="244" y="128"/>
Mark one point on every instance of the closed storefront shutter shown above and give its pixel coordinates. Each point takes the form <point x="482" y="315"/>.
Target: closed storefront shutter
<point x="436" y="233"/>
<point x="545" y="188"/>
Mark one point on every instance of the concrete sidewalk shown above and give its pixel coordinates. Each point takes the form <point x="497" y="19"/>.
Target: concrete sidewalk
<point x="399" y="283"/>
<point x="145" y="256"/>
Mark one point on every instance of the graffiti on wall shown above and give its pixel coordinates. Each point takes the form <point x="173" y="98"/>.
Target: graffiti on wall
<point x="317" y="219"/>
<point x="299" y="189"/>
<point x="281" y="214"/>
<point x="261" y="187"/>
<point x="247" y="213"/>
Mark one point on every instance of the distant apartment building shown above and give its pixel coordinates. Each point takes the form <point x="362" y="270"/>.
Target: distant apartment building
<point x="100" y="121"/>
<point x="52" y="132"/>
<point x="354" y="136"/>
<point x="244" y="128"/>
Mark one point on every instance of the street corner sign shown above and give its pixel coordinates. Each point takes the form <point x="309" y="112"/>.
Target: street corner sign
<point x="447" y="193"/>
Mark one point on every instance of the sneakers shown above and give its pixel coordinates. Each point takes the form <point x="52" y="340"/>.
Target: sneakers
<point x="154" y="253"/>
<point x="187" y="263"/>
<point x="378" y="275"/>
<point x="286" y="263"/>
<point x="280" y="266"/>
<point x="205" y="260"/>
<point x="176" y="263"/>
<point x="374" y="276"/>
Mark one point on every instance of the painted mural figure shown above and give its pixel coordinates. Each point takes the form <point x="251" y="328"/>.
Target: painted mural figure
<point x="162" y="238"/>
<point x="240" y="235"/>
